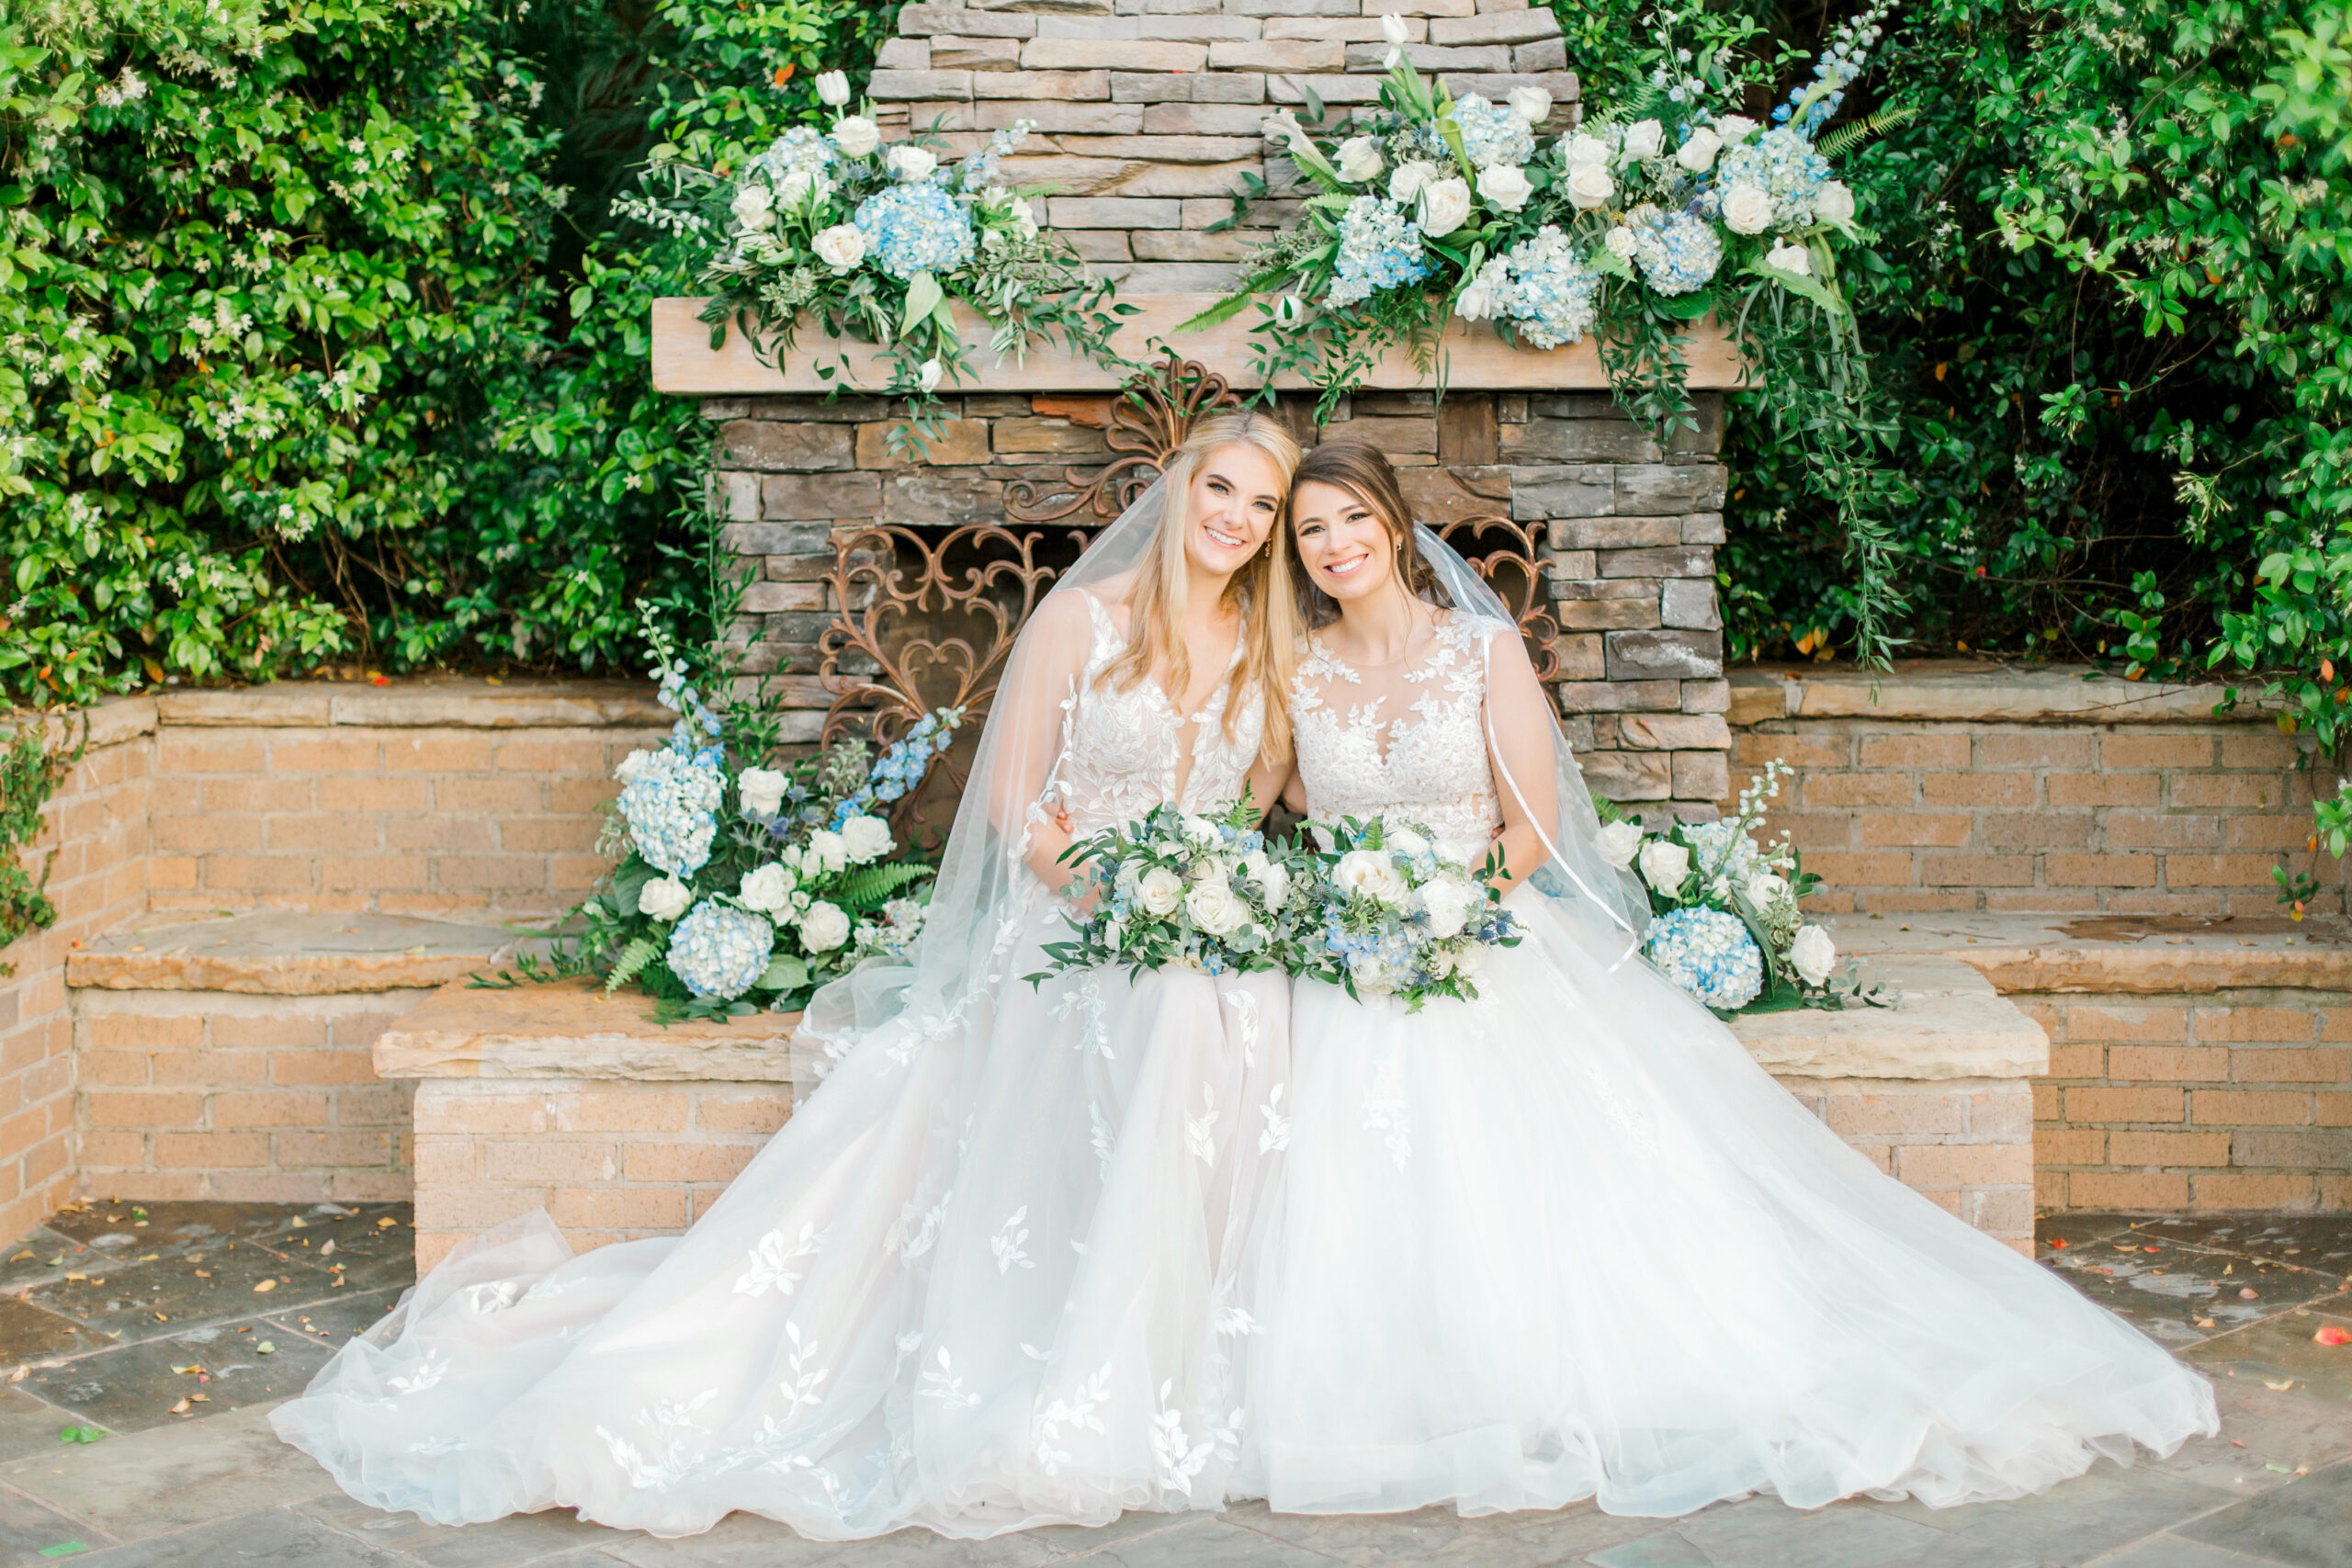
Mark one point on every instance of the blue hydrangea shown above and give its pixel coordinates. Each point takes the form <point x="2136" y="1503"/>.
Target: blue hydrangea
<point x="720" y="950"/>
<point x="1548" y="289"/>
<point x="670" y="804"/>
<point x="798" y="151"/>
<point x="1785" y="164"/>
<point x="1710" y="954"/>
<point x="1379" y="248"/>
<point x="1491" y="134"/>
<point x="915" y="228"/>
<point x="1677" y="254"/>
<point x="1720" y="849"/>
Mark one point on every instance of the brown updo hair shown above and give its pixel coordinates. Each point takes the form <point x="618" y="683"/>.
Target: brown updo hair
<point x="1364" y="472"/>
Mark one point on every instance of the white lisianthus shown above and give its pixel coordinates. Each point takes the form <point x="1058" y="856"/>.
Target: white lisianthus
<point x="1479" y="296"/>
<point x="868" y="838"/>
<point x="1159" y="890"/>
<point x="1834" y="203"/>
<point x="1373" y="874"/>
<point x="1748" y="207"/>
<point x="1405" y="841"/>
<point x="1360" y="159"/>
<point x="1734" y="129"/>
<point x="633" y="765"/>
<point x="840" y="247"/>
<point x="754" y="206"/>
<point x="1213" y="907"/>
<point x="856" y="136"/>
<point x="928" y="376"/>
<point x="1644" y="138"/>
<point x="1812" y="955"/>
<point x="1584" y="149"/>
<point x="1405" y="185"/>
<point x="827" y="851"/>
<point x="1790" y="258"/>
<point x="823" y="928"/>
<point x="1533" y="105"/>
<point x="832" y="88"/>
<point x="1504" y="188"/>
<point x="1697" y="153"/>
<point x="1764" y="889"/>
<point x="1394" y="29"/>
<point x="761" y="791"/>
<point x="1620" y="242"/>
<point x="665" y="898"/>
<point x="1446" y="900"/>
<point x="1589" y="186"/>
<point x="1617" y="842"/>
<point x="1664" y="865"/>
<point x="1445" y="207"/>
<point x="768" y="889"/>
<point x="908" y="162"/>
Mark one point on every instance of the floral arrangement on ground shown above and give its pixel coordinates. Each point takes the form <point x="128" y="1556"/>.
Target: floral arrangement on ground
<point x="878" y="241"/>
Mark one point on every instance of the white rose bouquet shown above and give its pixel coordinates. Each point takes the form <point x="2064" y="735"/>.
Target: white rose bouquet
<point x="1176" y="890"/>
<point x="1397" y="920"/>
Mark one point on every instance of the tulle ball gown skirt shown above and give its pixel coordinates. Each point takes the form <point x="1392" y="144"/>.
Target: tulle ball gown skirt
<point x="987" y="1276"/>
<point x="1569" y="1241"/>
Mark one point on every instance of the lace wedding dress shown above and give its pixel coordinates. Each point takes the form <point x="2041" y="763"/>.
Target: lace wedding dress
<point x="1569" y="1241"/>
<point x="990" y="1275"/>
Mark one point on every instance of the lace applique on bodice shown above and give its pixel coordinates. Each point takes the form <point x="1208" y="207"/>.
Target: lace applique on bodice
<point x="1361" y="755"/>
<point x="1120" y="749"/>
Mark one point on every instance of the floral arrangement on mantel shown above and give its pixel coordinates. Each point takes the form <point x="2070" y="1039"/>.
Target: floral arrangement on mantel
<point x="1724" y="923"/>
<point x="1647" y="217"/>
<point x="876" y="241"/>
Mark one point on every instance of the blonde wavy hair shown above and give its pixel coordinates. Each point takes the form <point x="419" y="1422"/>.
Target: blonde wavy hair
<point x="1262" y="592"/>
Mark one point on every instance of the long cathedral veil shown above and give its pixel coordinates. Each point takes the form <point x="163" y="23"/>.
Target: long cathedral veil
<point x="979" y="898"/>
<point x="1608" y="904"/>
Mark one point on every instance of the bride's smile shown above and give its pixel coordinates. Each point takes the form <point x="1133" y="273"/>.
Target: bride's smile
<point x="1234" y="502"/>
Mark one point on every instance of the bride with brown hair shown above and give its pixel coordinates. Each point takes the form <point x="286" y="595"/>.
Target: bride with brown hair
<point x="992" y="1273"/>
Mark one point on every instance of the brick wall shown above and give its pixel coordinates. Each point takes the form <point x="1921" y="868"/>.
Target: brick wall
<point x="1965" y="788"/>
<point x="2237" y="1100"/>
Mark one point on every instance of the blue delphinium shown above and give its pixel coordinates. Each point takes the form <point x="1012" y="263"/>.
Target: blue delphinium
<point x="1548" y="289"/>
<point x="720" y="950"/>
<point x="902" y="766"/>
<point x="670" y="804"/>
<point x="1379" y="248"/>
<point x="1710" y="954"/>
<point x="1491" y="134"/>
<point x="915" y="228"/>
<point x="1677" y="253"/>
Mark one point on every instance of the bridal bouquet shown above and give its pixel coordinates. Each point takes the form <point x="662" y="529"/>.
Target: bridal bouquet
<point x="877" y="241"/>
<point x="1177" y="890"/>
<point x="739" y="888"/>
<point x="1395" y="919"/>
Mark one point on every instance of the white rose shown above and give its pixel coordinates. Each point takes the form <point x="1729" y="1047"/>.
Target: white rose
<point x="1374" y="874"/>
<point x="754" y="206"/>
<point x="761" y="791"/>
<point x="1360" y="159"/>
<point x="1748" y="207"/>
<point x="823" y="928"/>
<point x="1664" y="865"/>
<point x="1583" y="149"/>
<point x="1406" y="184"/>
<point x="1469" y="960"/>
<point x="868" y="838"/>
<point x="827" y="851"/>
<point x="1504" y="187"/>
<point x="1589" y="186"/>
<point x="1620" y="242"/>
<point x="1393" y="28"/>
<point x="1273" y="881"/>
<point x="1481" y="296"/>
<point x="1446" y="901"/>
<point x="1642" y="140"/>
<point x="1533" y="105"/>
<point x="1202" y="831"/>
<point x="1764" y="889"/>
<point x="910" y="163"/>
<point x="1159" y="890"/>
<point x="1214" y="910"/>
<point x="1697" y="153"/>
<point x="1833" y="203"/>
<point x="840" y="247"/>
<point x="832" y="88"/>
<point x="1405" y="841"/>
<point x="665" y="898"/>
<point x="1617" y="842"/>
<point x="1373" y="976"/>
<point x="1813" y="954"/>
<point x="1734" y="129"/>
<point x="631" y="765"/>
<point x="1445" y="207"/>
<point x="1790" y="258"/>
<point x="800" y="184"/>
<point x="767" y="889"/>
<point x="856" y="136"/>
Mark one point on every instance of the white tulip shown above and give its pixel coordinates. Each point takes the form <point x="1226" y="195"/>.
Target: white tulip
<point x="910" y="163"/>
<point x="866" y="838"/>
<point x="1158" y="891"/>
<point x="1748" y="207"/>
<point x="768" y="889"/>
<point x="1504" y="188"/>
<point x="1644" y="138"/>
<point x="840" y="247"/>
<point x="823" y="928"/>
<point x="1533" y="105"/>
<point x="1406" y="183"/>
<point x="1664" y="865"/>
<point x="1697" y="153"/>
<point x="665" y="898"/>
<point x="832" y="88"/>
<point x="1589" y="186"/>
<point x="1617" y="842"/>
<point x="761" y="791"/>
<point x="1289" y="310"/>
<point x="1734" y="129"/>
<point x="1834" y="203"/>
<point x="1445" y="207"/>
<point x="1790" y="258"/>
<point x="754" y="206"/>
<point x="928" y="377"/>
<point x="1393" y="28"/>
<point x="1360" y="159"/>
<point x="1812" y="955"/>
<point x="856" y="136"/>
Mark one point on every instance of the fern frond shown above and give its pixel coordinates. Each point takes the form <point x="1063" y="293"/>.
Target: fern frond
<point x="1849" y="135"/>
<point x="867" y="888"/>
<point x="634" y="957"/>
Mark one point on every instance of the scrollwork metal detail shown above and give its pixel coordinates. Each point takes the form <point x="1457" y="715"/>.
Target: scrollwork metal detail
<point x="1150" y="420"/>
<point x="1518" y="557"/>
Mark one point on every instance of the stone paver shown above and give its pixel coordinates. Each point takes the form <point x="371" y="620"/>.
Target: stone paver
<point x="213" y="1484"/>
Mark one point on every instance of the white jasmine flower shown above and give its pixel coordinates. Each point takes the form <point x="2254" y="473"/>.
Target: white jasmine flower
<point x="840" y="247"/>
<point x="1697" y="153"/>
<point x="1533" y="105"/>
<point x="1747" y="209"/>
<point x="823" y="928"/>
<point x="665" y="898"/>
<point x="1504" y="187"/>
<point x="1812" y="955"/>
<point x="1360" y="159"/>
<point x="761" y="791"/>
<point x="832" y="88"/>
<point x="1790" y="258"/>
<point x="1617" y="842"/>
<point x="1664" y="865"/>
<point x="1444" y="206"/>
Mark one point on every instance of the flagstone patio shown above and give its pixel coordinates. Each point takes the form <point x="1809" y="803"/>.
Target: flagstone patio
<point x="144" y="1347"/>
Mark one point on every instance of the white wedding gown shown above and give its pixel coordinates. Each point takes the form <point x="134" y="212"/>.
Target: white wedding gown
<point x="1569" y="1241"/>
<point x="990" y="1276"/>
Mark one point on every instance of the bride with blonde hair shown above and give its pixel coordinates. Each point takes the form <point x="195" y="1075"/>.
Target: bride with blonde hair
<point x="992" y="1274"/>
